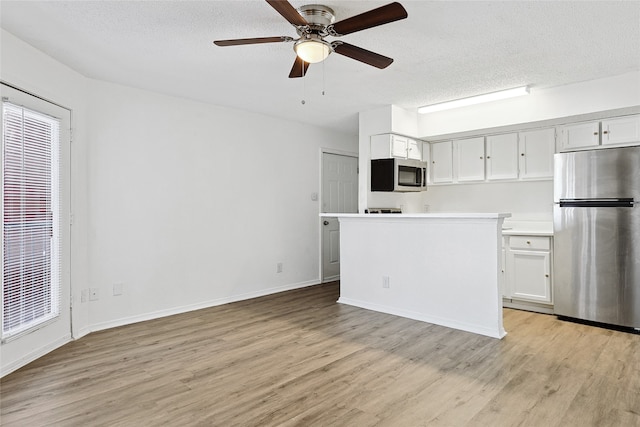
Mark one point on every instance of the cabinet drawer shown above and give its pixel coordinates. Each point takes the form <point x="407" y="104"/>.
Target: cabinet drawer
<point x="530" y="242"/>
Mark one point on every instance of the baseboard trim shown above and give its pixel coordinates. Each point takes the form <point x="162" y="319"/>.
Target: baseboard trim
<point x="33" y="355"/>
<point x="199" y="306"/>
<point x="493" y="333"/>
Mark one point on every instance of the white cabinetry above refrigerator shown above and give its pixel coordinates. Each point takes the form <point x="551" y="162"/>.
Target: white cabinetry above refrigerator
<point x="613" y="132"/>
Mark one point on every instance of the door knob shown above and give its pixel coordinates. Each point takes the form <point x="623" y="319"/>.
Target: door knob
<point x="326" y="223"/>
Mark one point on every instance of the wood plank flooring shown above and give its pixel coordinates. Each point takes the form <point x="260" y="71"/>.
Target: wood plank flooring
<point x="300" y="359"/>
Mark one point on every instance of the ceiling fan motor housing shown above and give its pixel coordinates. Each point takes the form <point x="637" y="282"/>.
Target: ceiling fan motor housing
<point x="318" y="16"/>
<point x="312" y="47"/>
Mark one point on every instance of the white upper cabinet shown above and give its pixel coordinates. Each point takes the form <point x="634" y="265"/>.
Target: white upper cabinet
<point x="579" y="135"/>
<point x="536" y="150"/>
<point x="469" y="159"/>
<point x="441" y="162"/>
<point x="622" y="130"/>
<point x="387" y="146"/>
<point x="511" y="156"/>
<point x="399" y="146"/>
<point x="502" y="157"/>
<point x="426" y="157"/>
<point x="414" y="149"/>
<point x="600" y="134"/>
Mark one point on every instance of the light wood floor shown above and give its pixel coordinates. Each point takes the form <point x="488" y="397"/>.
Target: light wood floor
<point x="300" y="359"/>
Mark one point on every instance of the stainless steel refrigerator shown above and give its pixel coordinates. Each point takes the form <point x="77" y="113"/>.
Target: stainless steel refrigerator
<point x="596" y="222"/>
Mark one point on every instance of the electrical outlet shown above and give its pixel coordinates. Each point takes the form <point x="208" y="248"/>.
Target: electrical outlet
<point x="84" y="295"/>
<point x="385" y="281"/>
<point x="118" y="288"/>
<point x="279" y="268"/>
<point x="94" y="294"/>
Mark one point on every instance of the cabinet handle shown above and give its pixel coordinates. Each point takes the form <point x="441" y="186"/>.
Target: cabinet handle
<point x="605" y="132"/>
<point x="522" y="154"/>
<point x="595" y="133"/>
<point x="546" y="275"/>
<point x="480" y="157"/>
<point x="528" y="242"/>
<point x="488" y="157"/>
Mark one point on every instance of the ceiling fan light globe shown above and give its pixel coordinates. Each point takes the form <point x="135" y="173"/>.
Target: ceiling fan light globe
<point x="312" y="51"/>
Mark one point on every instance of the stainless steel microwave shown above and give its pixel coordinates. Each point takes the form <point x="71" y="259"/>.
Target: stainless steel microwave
<point x="398" y="175"/>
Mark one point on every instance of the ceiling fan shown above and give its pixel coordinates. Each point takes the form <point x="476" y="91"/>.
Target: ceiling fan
<point x="315" y="22"/>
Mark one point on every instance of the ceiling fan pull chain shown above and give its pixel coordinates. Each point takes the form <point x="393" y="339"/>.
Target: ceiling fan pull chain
<point x="323" y="77"/>
<point x="304" y="86"/>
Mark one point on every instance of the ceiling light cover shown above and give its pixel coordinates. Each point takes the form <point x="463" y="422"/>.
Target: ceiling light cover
<point x="312" y="50"/>
<point x="487" y="97"/>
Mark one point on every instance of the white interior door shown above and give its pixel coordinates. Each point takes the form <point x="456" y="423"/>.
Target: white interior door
<point x="35" y="233"/>
<point x="339" y="195"/>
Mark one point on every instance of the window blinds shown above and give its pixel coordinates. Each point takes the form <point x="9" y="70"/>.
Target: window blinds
<point x="30" y="228"/>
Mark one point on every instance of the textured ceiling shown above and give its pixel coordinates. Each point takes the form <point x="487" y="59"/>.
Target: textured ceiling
<point x="444" y="50"/>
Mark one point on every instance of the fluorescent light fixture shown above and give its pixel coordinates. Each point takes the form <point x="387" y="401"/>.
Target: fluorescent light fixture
<point x="487" y="97"/>
<point x="312" y="49"/>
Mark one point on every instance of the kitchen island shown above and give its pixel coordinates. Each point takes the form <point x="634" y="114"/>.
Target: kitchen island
<point x="437" y="268"/>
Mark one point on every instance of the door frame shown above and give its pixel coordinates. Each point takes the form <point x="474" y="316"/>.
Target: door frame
<point x="36" y="342"/>
<point x="323" y="151"/>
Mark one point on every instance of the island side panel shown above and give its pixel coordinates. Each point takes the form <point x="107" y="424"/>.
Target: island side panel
<point x="439" y="271"/>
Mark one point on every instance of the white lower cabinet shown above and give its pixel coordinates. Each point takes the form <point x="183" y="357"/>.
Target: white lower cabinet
<point x="528" y="266"/>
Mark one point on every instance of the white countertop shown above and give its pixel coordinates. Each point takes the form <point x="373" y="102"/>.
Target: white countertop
<point x="456" y="215"/>
<point x="527" y="228"/>
<point x="509" y="227"/>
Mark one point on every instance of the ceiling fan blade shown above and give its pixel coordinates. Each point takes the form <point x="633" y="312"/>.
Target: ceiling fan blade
<point x="299" y="68"/>
<point x="362" y="55"/>
<point x="284" y="8"/>
<point x="237" y="42"/>
<point x="373" y="18"/>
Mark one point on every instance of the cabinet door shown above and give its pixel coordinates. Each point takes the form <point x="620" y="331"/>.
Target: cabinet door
<point x="414" y="149"/>
<point x="580" y="135"/>
<point x="502" y="157"/>
<point x="442" y="162"/>
<point x="621" y="131"/>
<point x="399" y="146"/>
<point x="530" y="275"/>
<point x="537" y="148"/>
<point x="426" y="157"/>
<point x="470" y="159"/>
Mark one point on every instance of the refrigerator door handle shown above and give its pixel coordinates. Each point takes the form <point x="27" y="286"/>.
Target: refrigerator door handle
<point x="597" y="203"/>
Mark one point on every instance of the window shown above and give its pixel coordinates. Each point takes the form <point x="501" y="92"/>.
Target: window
<point x="30" y="226"/>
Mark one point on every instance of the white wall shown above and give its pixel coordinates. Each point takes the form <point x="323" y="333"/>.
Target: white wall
<point x="526" y="200"/>
<point x="541" y="104"/>
<point x="193" y="205"/>
<point x="186" y="204"/>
